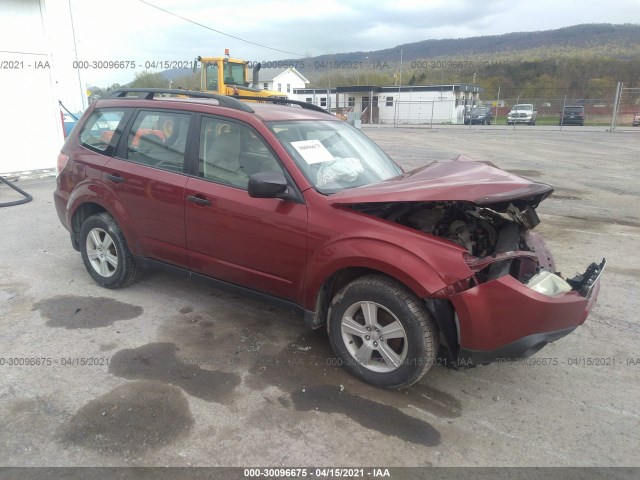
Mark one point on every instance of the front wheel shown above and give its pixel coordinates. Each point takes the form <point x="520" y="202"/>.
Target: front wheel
<point x="105" y="253"/>
<point x="382" y="333"/>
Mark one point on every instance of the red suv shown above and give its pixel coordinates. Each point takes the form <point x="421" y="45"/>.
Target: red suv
<point x="287" y="202"/>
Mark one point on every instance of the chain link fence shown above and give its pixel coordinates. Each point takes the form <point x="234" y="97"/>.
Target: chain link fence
<point x="598" y="111"/>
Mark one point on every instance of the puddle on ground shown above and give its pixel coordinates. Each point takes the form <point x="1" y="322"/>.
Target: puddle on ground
<point x="309" y="360"/>
<point x="368" y="413"/>
<point x="235" y="332"/>
<point x="163" y="362"/>
<point x="271" y="348"/>
<point x="70" y="311"/>
<point x="130" y="419"/>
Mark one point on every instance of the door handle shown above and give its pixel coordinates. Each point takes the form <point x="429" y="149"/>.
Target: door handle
<point x="199" y="200"/>
<point x="116" y="178"/>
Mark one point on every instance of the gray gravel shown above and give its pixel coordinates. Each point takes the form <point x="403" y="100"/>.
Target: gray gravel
<point x="182" y="374"/>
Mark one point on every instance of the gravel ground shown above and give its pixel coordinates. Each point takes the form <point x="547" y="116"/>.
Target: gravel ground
<point x="172" y="372"/>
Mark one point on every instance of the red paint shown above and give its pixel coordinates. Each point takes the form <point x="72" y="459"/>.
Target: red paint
<point x="290" y="249"/>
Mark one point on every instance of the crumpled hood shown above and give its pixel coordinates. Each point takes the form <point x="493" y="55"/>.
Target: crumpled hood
<point x="459" y="179"/>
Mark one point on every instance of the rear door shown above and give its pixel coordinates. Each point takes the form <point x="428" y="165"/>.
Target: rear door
<point x="259" y="243"/>
<point x="147" y="176"/>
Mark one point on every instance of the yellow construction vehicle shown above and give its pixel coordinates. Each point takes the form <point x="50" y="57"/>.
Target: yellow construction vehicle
<point x="230" y="76"/>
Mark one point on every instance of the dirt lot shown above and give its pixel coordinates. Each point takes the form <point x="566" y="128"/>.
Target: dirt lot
<point x="182" y="374"/>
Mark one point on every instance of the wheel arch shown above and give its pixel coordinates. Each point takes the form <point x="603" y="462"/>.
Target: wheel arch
<point x="348" y="256"/>
<point x="84" y="204"/>
<point x="79" y="216"/>
<point x="324" y="287"/>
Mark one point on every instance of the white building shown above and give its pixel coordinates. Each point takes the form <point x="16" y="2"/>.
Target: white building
<point x="409" y="104"/>
<point x="37" y="51"/>
<point x="279" y="80"/>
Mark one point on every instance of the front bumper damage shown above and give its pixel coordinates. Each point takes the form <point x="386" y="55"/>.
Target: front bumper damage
<point x="504" y="319"/>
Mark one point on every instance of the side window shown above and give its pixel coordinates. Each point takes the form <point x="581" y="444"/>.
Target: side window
<point x="98" y="133"/>
<point x="212" y="76"/>
<point x="231" y="152"/>
<point x="159" y="139"/>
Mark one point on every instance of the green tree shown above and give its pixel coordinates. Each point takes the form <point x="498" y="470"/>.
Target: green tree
<point x="149" y="79"/>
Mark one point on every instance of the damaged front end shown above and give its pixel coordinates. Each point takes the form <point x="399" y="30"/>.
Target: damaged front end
<point x="514" y="301"/>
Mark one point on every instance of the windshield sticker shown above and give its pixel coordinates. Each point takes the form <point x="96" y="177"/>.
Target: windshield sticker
<point x="312" y="151"/>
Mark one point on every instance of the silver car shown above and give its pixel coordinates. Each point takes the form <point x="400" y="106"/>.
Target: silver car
<point x="522" y="113"/>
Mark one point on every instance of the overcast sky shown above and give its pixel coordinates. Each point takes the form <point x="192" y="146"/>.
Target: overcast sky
<point x="130" y="29"/>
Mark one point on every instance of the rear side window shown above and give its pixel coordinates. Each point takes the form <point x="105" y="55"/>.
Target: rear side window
<point x="159" y="139"/>
<point x="99" y="131"/>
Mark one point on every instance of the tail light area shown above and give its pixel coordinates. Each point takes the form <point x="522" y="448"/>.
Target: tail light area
<point x="62" y="163"/>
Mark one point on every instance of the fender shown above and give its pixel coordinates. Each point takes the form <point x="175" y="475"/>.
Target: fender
<point x="406" y="266"/>
<point x="101" y="194"/>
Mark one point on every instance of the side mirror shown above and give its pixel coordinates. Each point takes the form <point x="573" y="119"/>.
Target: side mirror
<point x="267" y="185"/>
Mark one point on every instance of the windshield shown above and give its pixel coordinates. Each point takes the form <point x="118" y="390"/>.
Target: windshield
<point x="234" y="73"/>
<point x="522" y="107"/>
<point x="478" y="110"/>
<point x="333" y="155"/>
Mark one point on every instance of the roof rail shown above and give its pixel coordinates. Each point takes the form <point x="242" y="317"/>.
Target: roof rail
<point x="150" y="93"/>
<point x="284" y="101"/>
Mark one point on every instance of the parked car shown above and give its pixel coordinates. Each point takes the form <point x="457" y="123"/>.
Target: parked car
<point x="636" y="120"/>
<point x="572" y="115"/>
<point x="478" y="115"/>
<point x="296" y="207"/>
<point x="522" y="113"/>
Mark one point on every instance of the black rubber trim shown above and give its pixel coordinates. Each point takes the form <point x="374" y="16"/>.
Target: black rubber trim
<point x="444" y="315"/>
<point x="522" y="348"/>
<point x="150" y="94"/>
<point x="222" y="285"/>
<point x="284" y="101"/>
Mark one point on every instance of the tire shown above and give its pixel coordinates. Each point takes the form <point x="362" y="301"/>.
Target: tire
<point x="105" y="253"/>
<point x="392" y="362"/>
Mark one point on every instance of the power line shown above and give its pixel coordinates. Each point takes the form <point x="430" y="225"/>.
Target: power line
<point x="218" y="31"/>
<point x="23" y="53"/>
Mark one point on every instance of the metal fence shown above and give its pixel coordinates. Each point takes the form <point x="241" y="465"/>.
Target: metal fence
<point x="597" y="111"/>
<point x="626" y="105"/>
<point x="612" y="110"/>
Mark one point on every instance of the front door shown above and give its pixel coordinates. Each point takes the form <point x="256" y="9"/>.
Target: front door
<point x="259" y="243"/>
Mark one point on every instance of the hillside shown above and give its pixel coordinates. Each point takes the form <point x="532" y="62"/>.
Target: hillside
<point x="588" y="40"/>
<point x="582" y="61"/>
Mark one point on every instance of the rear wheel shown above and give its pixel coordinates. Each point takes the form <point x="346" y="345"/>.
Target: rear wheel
<point x="382" y="333"/>
<point x="105" y="253"/>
